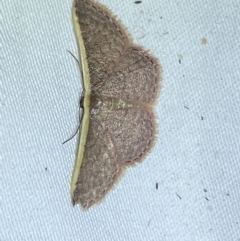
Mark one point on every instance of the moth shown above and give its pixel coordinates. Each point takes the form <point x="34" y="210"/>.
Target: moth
<point x="121" y="85"/>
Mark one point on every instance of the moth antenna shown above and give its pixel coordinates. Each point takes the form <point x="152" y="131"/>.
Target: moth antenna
<point x="78" y="62"/>
<point x="74" y="134"/>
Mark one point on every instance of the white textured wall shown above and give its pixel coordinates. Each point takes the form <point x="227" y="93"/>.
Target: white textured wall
<point x="199" y="132"/>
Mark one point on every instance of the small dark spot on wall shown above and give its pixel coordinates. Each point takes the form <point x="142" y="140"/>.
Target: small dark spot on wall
<point x="180" y="57"/>
<point x="204" y="41"/>
<point x="179" y="196"/>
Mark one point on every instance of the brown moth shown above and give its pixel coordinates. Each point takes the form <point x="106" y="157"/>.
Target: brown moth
<point x="121" y="85"/>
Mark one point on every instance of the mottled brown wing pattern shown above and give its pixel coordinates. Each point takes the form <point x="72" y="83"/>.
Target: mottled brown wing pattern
<point x="115" y="139"/>
<point x="135" y="78"/>
<point x="99" y="168"/>
<point x="104" y="40"/>
<point x="132" y="132"/>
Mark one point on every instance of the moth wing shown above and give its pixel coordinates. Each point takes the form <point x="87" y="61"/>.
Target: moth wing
<point x="132" y="133"/>
<point x="135" y="78"/>
<point x="103" y="38"/>
<point x="99" y="168"/>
